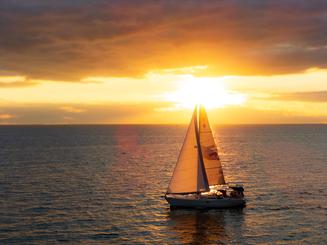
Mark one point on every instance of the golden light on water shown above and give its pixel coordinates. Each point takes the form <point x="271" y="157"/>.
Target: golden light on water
<point x="210" y="92"/>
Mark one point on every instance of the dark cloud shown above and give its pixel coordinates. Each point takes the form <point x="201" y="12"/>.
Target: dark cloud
<point x="313" y="96"/>
<point x="69" y="39"/>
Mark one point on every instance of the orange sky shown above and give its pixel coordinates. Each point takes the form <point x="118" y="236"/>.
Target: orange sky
<point x="149" y="62"/>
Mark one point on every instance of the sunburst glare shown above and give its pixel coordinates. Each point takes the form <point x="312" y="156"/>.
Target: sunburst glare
<point x="211" y="92"/>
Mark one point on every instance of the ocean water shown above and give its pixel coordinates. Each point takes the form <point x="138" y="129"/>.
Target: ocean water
<point x="104" y="185"/>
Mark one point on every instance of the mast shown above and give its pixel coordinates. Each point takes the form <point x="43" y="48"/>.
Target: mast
<point x="201" y="167"/>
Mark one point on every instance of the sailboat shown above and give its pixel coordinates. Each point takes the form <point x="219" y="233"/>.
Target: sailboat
<point x="198" y="180"/>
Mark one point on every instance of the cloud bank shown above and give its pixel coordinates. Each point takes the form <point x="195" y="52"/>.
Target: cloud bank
<point x="144" y="113"/>
<point x="70" y="40"/>
<point x="310" y="96"/>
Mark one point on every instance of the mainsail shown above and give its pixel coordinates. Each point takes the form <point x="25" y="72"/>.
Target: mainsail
<point x="211" y="159"/>
<point x="189" y="175"/>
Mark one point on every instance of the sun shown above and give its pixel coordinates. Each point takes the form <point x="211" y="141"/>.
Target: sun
<point x="210" y="92"/>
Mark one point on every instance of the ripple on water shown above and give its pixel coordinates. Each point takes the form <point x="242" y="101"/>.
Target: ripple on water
<point x="104" y="185"/>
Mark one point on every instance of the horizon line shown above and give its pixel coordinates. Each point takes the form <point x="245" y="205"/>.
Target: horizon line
<point x="156" y="124"/>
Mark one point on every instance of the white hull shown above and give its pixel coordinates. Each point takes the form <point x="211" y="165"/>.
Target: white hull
<point x="201" y="203"/>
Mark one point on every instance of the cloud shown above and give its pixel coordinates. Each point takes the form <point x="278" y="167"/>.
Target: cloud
<point x="146" y="113"/>
<point x="55" y="113"/>
<point x="72" y="109"/>
<point x="70" y="40"/>
<point x="6" y="116"/>
<point x="312" y="96"/>
<point x="247" y="115"/>
<point x="15" y="82"/>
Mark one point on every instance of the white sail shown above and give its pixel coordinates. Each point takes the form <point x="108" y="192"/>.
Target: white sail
<point x="211" y="159"/>
<point x="189" y="175"/>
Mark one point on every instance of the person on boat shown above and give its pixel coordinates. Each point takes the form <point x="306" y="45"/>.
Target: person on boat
<point x="234" y="194"/>
<point x="224" y="193"/>
<point x="237" y="192"/>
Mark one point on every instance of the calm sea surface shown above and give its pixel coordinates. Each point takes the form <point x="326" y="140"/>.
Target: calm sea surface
<point x="104" y="185"/>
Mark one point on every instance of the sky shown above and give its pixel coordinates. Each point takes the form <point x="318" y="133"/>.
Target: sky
<point x="149" y="62"/>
